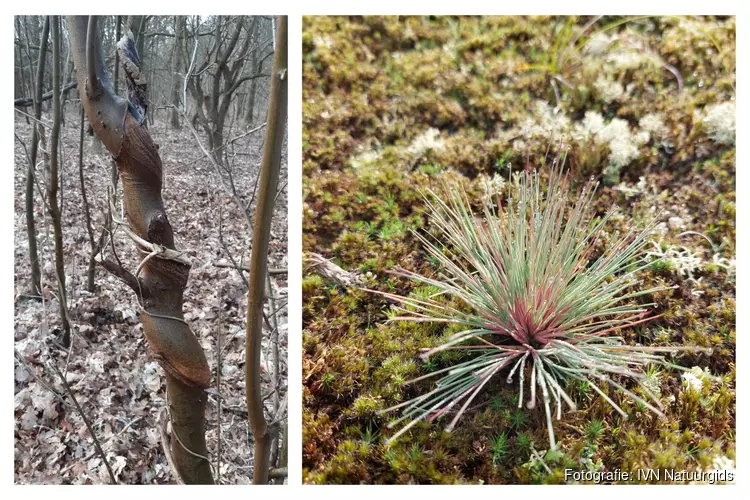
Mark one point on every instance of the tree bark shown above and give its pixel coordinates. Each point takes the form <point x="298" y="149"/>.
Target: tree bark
<point x="269" y="179"/>
<point x="91" y="271"/>
<point x="20" y="83"/>
<point x="54" y="181"/>
<point x="161" y="282"/>
<point x="36" y="274"/>
<point x="224" y="83"/>
<point x="179" y="29"/>
<point x="114" y="175"/>
<point x="118" y="34"/>
<point x="250" y="106"/>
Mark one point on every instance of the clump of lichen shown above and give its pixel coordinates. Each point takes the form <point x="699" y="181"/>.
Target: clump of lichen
<point x="395" y="105"/>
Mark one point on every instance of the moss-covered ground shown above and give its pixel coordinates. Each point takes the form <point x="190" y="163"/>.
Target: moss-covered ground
<point x="393" y="105"/>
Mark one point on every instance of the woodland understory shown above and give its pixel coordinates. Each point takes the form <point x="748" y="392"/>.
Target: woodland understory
<point x="108" y="367"/>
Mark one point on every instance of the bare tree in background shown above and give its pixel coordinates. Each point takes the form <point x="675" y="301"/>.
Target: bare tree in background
<point x="94" y="246"/>
<point x="225" y="66"/>
<point x="260" y="52"/>
<point x="161" y="277"/>
<point x="54" y="182"/>
<point x="30" y="173"/>
<point x="19" y="84"/>
<point x="269" y="179"/>
<point x="179" y="33"/>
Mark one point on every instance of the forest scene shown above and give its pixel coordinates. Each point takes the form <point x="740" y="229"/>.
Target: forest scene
<point x="150" y="238"/>
<point x="519" y="249"/>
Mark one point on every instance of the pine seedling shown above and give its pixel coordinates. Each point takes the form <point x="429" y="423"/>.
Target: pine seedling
<point x="538" y="301"/>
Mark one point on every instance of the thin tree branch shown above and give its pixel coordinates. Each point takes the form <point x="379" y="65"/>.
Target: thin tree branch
<point x="126" y="276"/>
<point x="269" y="178"/>
<point x="271" y="271"/>
<point x="29" y="101"/>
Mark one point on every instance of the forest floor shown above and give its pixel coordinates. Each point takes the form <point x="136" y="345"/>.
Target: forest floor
<point x="393" y="106"/>
<point x="108" y="367"/>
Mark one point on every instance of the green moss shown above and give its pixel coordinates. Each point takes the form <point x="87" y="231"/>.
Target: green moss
<point x="396" y="105"/>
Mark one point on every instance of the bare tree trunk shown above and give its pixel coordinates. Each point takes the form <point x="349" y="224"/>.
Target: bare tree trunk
<point x="90" y="272"/>
<point x="284" y="453"/>
<point x="250" y="106"/>
<point x="160" y="282"/>
<point x="30" y="173"/>
<point x="153" y="49"/>
<point x="269" y="179"/>
<point x="179" y="29"/>
<point x="54" y="181"/>
<point x="225" y="81"/>
<point x="20" y="77"/>
<point x="28" y="50"/>
<point x="114" y="175"/>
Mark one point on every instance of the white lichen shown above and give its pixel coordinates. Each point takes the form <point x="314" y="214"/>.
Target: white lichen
<point x="587" y="128"/>
<point x="729" y="265"/>
<point x="546" y="123"/>
<point x="682" y="259"/>
<point x="599" y="43"/>
<point x="364" y="159"/>
<point x="426" y="141"/>
<point x="692" y="381"/>
<point x="697" y="377"/>
<point x="653" y="124"/>
<point x="624" y="145"/>
<point x="631" y="59"/>
<point x="493" y="186"/>
<point x="720" y="122"/>
<point x="609" y="90"/>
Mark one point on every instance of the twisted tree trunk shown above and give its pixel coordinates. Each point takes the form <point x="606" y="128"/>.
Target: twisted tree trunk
<point x="269" y="180"/>
<point x="161" y="277"/>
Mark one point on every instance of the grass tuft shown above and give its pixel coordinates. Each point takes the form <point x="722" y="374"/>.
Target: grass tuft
<point x="542" y="301"/>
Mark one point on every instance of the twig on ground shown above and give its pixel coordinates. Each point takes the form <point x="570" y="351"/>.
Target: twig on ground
<point x="107" y="445"/>
<point x="85" y="420"/>
<point x="31" y="372"/>
<point x="330" y="271"/>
